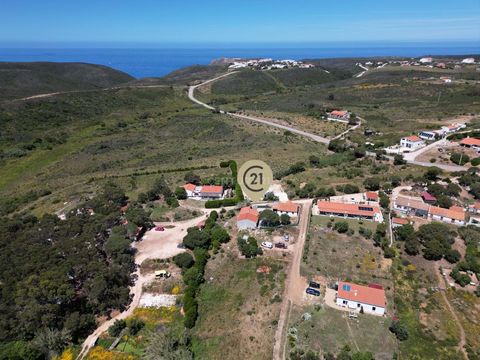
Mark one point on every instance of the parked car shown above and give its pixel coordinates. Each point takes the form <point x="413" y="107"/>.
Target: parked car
<point x="181" y="246"/>
<point x="314" y="285"/>
<point x="281" y="245"/>
<point x="313" y="292"/>
<point x="162" y="274"/>
<point x="267" y="244"/>
<point x="286" y="237"/>
<point x="159" y="228"/>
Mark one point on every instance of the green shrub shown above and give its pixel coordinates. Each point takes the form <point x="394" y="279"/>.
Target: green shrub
<point x="117" y="328"/>
<point x="459" y="158"/>
<point x="341" y="227"/>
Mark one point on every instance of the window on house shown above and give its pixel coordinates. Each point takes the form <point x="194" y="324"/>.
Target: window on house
<point x="374" y="308"/>
<point x="345" y="302"/>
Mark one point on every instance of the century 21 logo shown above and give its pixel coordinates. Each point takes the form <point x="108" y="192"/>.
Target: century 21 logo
<point x="255" y="178"/>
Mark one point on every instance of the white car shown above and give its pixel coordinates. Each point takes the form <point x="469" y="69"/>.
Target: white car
<point x="267" y="244"/>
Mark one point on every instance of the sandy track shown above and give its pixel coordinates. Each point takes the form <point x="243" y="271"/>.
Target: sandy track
<point x="154" y="245"/>
<point x="295" y="284"/>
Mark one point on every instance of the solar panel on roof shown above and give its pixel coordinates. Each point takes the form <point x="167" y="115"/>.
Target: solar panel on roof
<point x="346" y="287"/>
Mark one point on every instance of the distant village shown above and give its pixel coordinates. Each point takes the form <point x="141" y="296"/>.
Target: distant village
<point x="267" y="64"/>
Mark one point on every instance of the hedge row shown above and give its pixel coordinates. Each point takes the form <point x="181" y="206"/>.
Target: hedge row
<point x="214" y="204"/>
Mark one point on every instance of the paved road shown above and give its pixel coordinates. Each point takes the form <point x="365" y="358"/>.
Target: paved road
<point x="191" y="96"/>
<point x="294" y="284"/>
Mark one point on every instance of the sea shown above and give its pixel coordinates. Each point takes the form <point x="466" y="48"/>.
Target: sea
<point x="157" y="61"/>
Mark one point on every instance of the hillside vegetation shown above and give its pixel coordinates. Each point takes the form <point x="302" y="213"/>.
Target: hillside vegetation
<point x="19" y="80"/>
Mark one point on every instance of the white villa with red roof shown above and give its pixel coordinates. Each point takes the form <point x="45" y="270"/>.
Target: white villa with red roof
<point x="204" y="192"/>
<point x="289" y="208"/>
<point x="339" y="115"/>
<point x="371" y="299"/>
<point x="412" y="142"/>
<point x="247" y="218"/>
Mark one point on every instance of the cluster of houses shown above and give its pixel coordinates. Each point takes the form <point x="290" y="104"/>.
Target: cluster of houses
<point x="356" y="206"/>
<point x="443" y="131"/>
<point x="249" y="216"/>
<point x="422" y="207"/>
<point x="204" y="192"/>
<point x="415" y="142"/>
<point x="267" y="64"/>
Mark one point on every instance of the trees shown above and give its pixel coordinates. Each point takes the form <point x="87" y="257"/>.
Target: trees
<point x="117" y="328"/>
<point x="372" y="184"/>
<point x="249" y="248"/>
<point x="348" y="188"/>
<point x="398" y="160"/>
<point x="459" y="158"/>
<point x="452" y="256"/>
<point x="399" y="329"/>
<point x="180" y="193"/>
<point x="196" y="238"/>
<point x="269" y="218"/>
<point x="433" y="173"/>
<point x="192" y="178"/>
<point x="444" y="201"/>
<point x="460" y="278"/>
<point x="384" y="200"/>
<point x="219" y="235"/>
<point x="314" y="160"/>
<point x="285" y="219"/>
<point x="337" y="146"/>
<point x="436" y="239"/>
<point x="184" y="260"/>
<point x="341" y="227"/>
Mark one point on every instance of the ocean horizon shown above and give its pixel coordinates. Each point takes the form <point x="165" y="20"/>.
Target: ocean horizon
<point x="157" y="61"/>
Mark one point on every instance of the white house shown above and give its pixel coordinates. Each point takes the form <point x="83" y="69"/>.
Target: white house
<point x="247" y="219"/>
<point x="428" y="135"/>
<point x="426" y="60"/>
<point x="455" y="215"/>
<point x="289" y="208"/>
<point x="412" y="142"/>
<point x="339" y="115"/>
<point x="371" y="299"/>
<point x="190" y="189"/>
<point x="468" y="61"/>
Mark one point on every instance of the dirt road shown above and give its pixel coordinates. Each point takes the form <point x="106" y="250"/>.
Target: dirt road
<point x="154" y="245"/>
<point x="294" y="284"/>
<point x="463" y="340"/>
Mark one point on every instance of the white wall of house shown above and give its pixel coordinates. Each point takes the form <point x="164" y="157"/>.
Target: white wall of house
<point x="447" y="220"/>
<point x="246" y="224"/>
<point x="356" y="306"/>
<point x="404" y="142"/>
<point x="289" y="213"/>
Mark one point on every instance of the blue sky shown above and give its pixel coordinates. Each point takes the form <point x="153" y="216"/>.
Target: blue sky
<point x="210" y="21"/>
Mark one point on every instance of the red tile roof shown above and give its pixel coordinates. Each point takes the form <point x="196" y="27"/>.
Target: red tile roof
<point x="247" y="213"/>
<point x="351" y="209"/>
<point x="399" y="221"/>
<point x="212" y="189"/>
<point x="286" y="207"/>
<point x="371" y="195"/>
<point x="189" y="187"/>
<point x="413" y="138"/>
<point x="470" y="141"/>
<point x="339" y="112"/>
<point x="428" y="197"/>
<point x="362" y="294"/>
<point x="455" y="212"/>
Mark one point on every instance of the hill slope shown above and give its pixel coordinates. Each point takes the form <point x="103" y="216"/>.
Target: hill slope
<point x="26" y="79"/>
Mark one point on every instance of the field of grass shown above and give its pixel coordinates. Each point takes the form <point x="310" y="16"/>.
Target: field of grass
<point x="394" y="100"/>
<point x="341" y="256"/>
<point x="130" y="144"/>
<point x="238" y="309"/>
<point x="329" y="330"/>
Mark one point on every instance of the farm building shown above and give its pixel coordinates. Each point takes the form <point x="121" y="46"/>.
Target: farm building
<point x="211" y="192"/>
<point x="339" y="115"/>
<point x="454" y="215"/>
<point x="411" y="205"/>
<point x="428" y="198"/>
<point x="357" y="211"/>
<point x="190" y="189"/>
<point x="370" y="299"/>
<point x="289" y="208"/>
<point x="247" y="218"/>
<point x="470" y="142"/>
<point x="412" y="142"/>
